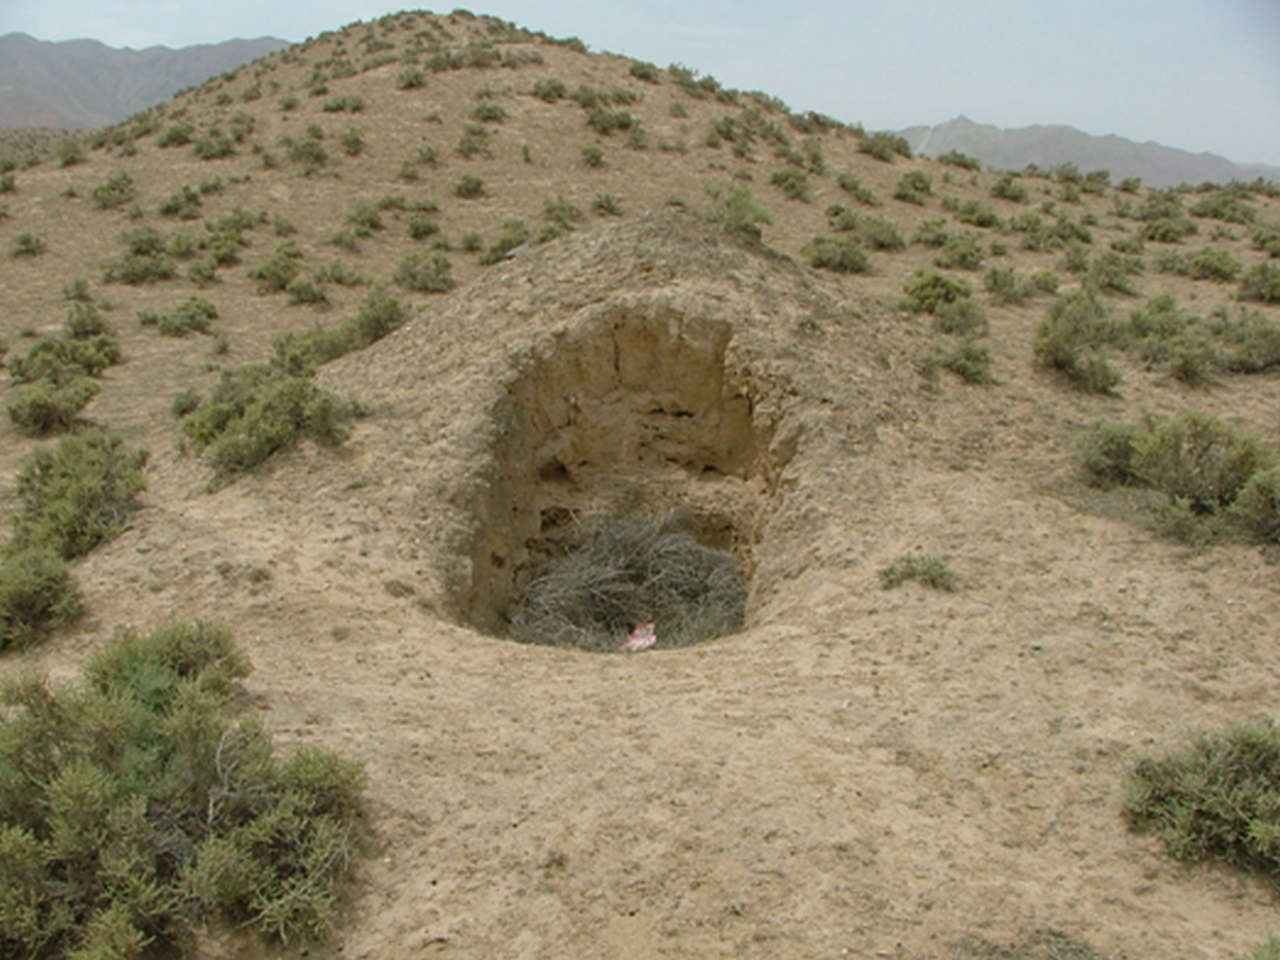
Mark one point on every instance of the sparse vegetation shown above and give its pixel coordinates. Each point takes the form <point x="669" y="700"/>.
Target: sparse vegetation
<point x="929" y="289"/>
<point x="425" y="274"/>
<point x="924" y="568"/>
<point x="839" y="254"/>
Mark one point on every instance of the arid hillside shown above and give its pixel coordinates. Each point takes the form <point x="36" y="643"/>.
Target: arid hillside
<point x="398" y="313"/>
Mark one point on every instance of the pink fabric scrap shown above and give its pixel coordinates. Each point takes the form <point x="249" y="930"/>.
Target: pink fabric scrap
<point x="644" y="636"/>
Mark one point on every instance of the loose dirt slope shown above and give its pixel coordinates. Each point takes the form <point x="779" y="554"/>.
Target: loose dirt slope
<point x="859" y="772"/>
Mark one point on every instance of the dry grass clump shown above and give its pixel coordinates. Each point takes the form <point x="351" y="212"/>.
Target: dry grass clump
<point x="628" y="568"/>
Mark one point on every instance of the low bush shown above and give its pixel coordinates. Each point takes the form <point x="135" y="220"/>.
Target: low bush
<point x="855" y="188"/>
<point x="970" y="359"/>
<point x="116" y="192"/>
<point x="1215" y="799"/>
<point x="1106" y="452"/>
<point x="425" y="274"/>
<point x="957" y="159"/>
<point x="1197" y="458"/>
<point x="1256" y="341"/>
<point x="275" y="273"/>
<point x="1071" y="339"/>
<point x="931" y="233"/>
<point x="884" y="145"/>
<point x="960" y="252"/>
<point x="927" y="290"/>
<point x="1261" y="283"/>
<point x="257" y="410"/>
<point x="1005" y="287"/>
<point x="736" y="211"/>
<point x="1224" y="206"/>
<point x="192" y="316"/>
<point x="37" y="594"/>
<point x="626" y="569"/>
<point x="1009" y="188"/>
<point x="514" y="233"/>
<point x="145" y="803"/>
<point x="793" y="183"/>
<point x="975" y="213"/>
<point x="76" y="494"/>
<point x="1257" y="506"/>
<point x="1216" y="265"/>
<point x="1267" y="238"/>
<point x="145" y="259"/>
<point x="962" y="317"/>
<point x="27" y="245"/>
<point x="913" y="187"/>
<point x="1168" y="229"/>
<point x="469" y="187"/>
<point x="924" y="568"/>
<point x="299" y="354"/>
<point x="61" y="360"/>
<point x="1112" y="271"/>
<point x="839" y="254"/>
<point x="48" y="407"/>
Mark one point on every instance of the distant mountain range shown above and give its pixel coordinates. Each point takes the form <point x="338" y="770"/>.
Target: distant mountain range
<point x="1049" y="146"/>
<point x="78" y="84"/>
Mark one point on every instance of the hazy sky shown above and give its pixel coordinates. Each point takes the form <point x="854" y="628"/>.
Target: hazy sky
<point x="1193" y="74"/>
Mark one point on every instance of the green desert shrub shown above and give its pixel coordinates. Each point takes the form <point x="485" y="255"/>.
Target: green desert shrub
<point x="27" y="244"/>
<point x="1262" y="283"/>
<point x="1071" y="339"/>
<point x="957" y="159"/>
<point x="550" y="90"/>
<point x="913" y="187"/>
<point x="931" y="233"/>
<point x="1106" y="452"/>
<point x="975" y="213"/>
<point x="1168" y="229"/>
<point x="191" y="316"/>
<point x="1267" y="238"/>
<point x="735" y="210"/>
<point x="1112" y="271"/>
<point x="1009" y="188"/>
<point x="308" y="153"/>
<point x="592" y="156"/>
<point x="145" y="804"/>
<point x="1217" y="799"/>
<point x="629" y="568"/>
<point x="1216" y="265"/>
<point x="257" y="410"/>
<point x="607" y="121"/>
<point x="792" y="182"/>
<point x="855" y="188"/>
<point x="379" y="314"/>
<point x="76" y="494"/>
<point x="425" y="274"/>
<point x="969" y="358"/>
<point x="145" y="259"/>
<point x="276" y="272"/>
<point x="960" y="252"/>
<point x="514" y="234"/>
<point x="352" y="141"/>
<point x="185" y="204"/>
<point x="927" y="290"/>
<point x="469" y="187"/>
<point x="961" y="317"/>
<point x="116" y="192"/>
<point x="47" y="406"/>
<point x="883" y="146"/>
<point x="37" y="594"/>
<point x="1196" y="458"/>
<point x="1005" y="286"/>
<point x="1224" y="206"/>
<point x="1255" y="342"/>
<point x="924" y="568"/>
<point x="606" y="204"/>
<point x="85" y="321"/>
<point x="1257" y="506"/>
<point x="60" y="360"/>
<point x="308" y="290"/>
<point x="839" y="254"/>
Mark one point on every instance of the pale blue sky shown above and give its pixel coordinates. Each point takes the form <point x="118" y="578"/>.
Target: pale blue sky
<point x="1193" y="74"/>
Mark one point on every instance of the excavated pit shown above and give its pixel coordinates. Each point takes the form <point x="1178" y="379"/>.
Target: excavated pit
<point x="640" y="411"/>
